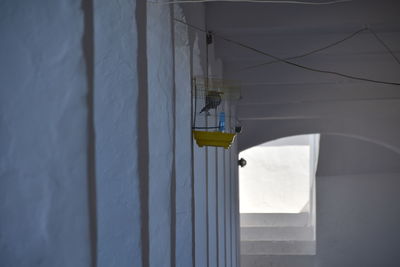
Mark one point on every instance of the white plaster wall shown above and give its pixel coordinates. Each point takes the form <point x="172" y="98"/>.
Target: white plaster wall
<point x="201" y="234"/>
<point x="235" y="212"/>
<point x="358" y="220"/>
<point x="161" y="132"/>
<point x="356" y="184"/>
<point x="200" y="176"/>
<point x="183" y="144"/>
<point x="212" y="202"/>
<point x="204" y="249"/>
<point x="116" y="103"/>
<point x="44" y="218"/>
<point x="357" y="211"/>
<point x="214" y="218"/>
<point x="214" y="160"/>
<point x="73" y="188"/>
<point x="228" y="205"/>
<point x="221" y="205"/>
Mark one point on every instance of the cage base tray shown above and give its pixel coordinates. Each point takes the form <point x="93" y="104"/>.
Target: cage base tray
<point x="217" y="139"/>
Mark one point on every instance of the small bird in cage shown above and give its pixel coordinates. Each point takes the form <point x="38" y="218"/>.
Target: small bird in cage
<point x="213" y="100"/>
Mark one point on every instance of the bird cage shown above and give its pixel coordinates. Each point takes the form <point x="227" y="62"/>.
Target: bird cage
<point x="214" y="123"/>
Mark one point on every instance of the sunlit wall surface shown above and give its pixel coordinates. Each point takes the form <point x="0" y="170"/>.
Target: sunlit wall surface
<point x="278" y="176"/>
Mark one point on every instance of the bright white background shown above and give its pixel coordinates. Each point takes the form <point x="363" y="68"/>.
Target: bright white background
<point x="276" y="178"/>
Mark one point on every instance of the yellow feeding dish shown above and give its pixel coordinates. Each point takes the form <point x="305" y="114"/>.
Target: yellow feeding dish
<point x="218" y="139"/>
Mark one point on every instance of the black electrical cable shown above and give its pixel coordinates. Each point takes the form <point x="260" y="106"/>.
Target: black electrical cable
<point x="308" y="53"/>
<point x="252" y="1"/>
<point x="384" y="44"/>
<point x="288" y="62"/>
<point x="320" y="101"/>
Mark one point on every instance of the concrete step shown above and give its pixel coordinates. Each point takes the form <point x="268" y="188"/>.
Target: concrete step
<point x="277" y="261"/>
<point x="262" y="233"/>
<point x="273" y="219"/>
<point x="277" y="247"/>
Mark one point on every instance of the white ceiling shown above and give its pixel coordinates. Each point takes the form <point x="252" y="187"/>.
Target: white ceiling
<point x="283" y="97"/>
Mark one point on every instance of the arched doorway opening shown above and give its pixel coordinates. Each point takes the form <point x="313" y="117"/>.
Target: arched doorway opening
<point x="277" y="196"/>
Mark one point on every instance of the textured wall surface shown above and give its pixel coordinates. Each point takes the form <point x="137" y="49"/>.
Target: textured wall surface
<point x="43" y="135"/>
<point x="161" y="132"/>
<point x="357" y="218"/>
<point x="97" y="162"/>
<point x="116" y="125"/>
<point x="183" y="140"/>
<point x="200" y="176"/>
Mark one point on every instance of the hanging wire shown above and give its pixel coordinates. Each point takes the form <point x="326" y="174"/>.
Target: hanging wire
<point x="251" y="1"/>
<point x="384" y="45"/>
<point x="289" y="62"/>
<point x="319" y="101"/>
<point x="324" y="48"/>
<point x="306" y="54"/>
